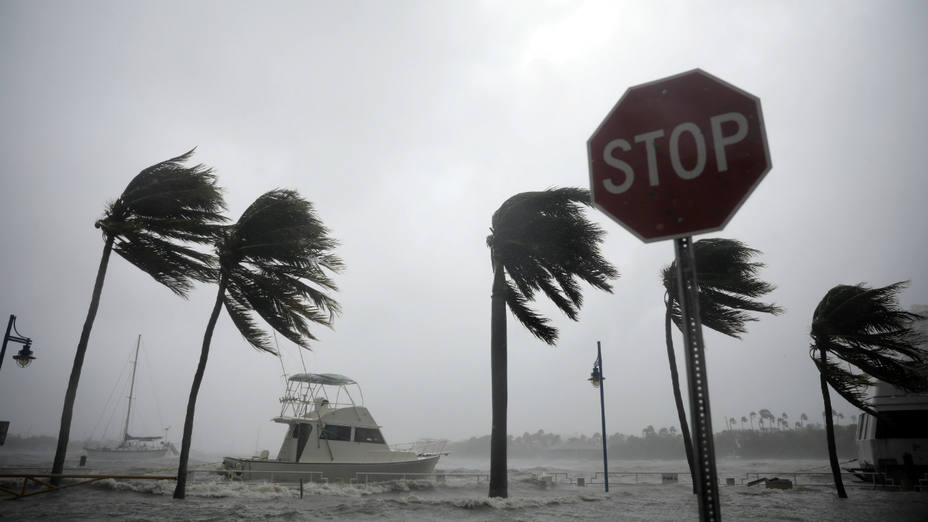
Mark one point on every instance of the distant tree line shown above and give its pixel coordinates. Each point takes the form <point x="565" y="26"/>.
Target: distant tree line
<point x="667" y="443"/>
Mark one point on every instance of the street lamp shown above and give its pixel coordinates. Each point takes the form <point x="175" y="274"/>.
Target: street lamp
<point x="24" y="357"/>
<point x="597" y="378"/>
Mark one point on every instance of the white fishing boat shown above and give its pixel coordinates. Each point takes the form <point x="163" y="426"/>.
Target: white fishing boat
<point x="894" y="443"/>
<point x="330" y="438"/>
<point x="132" y="447"/>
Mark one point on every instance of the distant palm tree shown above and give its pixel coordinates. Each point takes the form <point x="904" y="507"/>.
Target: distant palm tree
<point x="767" y="417"/>
<point x="743" y="420"/>
<point x="865" y="328"/>
<point x="803" y="418"/>
<point x="275" y="261"/>
<point x="728" y="292"/>
<point x="539" y="241"/>
<point x="163" y="207"/>
<point x="753" y="414"/>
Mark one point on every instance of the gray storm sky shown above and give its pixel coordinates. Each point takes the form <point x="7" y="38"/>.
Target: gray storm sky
<point x="407" y="124"/>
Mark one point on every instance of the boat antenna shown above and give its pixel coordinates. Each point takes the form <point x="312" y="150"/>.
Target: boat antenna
<point x="280" y="358"/>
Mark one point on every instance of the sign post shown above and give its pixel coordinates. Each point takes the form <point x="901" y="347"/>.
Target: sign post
<point x="673" y="158"/>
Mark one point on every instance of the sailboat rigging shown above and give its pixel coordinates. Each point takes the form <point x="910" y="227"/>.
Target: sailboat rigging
<point x="132" y="447"/>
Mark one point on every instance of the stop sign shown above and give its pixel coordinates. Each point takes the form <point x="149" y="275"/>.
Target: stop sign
<point x="678" y="156"/>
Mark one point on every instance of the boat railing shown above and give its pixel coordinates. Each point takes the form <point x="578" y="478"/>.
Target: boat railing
<point x="271" y="475"/>
<point x="422" y="447"/>
<point x="367" y="477"/>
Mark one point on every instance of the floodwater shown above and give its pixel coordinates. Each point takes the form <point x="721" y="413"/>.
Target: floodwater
<point x="538" y="491"/>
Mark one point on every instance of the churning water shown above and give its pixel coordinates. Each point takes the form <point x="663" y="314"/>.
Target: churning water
<point x="538" y="491"/>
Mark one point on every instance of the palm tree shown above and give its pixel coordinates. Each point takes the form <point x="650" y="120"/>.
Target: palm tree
<point x="274" y="262"/>
<point x="765" y="415"/>
<point x="164" y="206"/>
<point x="753" y="414"/>
<point x="865" y="328"/>
<point x="743" y="420"/>
<point x="802" y="419"/>
<point x="728" y="292"/>
<point x="539" y="241"/>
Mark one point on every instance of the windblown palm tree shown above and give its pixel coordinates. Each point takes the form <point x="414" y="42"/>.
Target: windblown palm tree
<point x="728" y="292"/>
<point x="864" y="328"/>
<point x="163" y="207"/>
<point x="753" y="414"/>
<point x="539" y="242"/>
<point x="275" y="261"/>
<point x="743" y="420"/>
<point x="767" y="416"/>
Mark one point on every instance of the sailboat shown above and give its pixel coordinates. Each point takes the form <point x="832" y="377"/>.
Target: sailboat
<point x="132" y="447"/>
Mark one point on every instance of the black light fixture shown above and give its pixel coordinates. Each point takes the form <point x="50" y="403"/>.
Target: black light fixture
<point x="596" y="377"/>
<point x="24" y="357"/>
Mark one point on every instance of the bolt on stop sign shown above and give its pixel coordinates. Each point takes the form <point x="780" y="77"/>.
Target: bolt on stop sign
<point x="678" y="156"/>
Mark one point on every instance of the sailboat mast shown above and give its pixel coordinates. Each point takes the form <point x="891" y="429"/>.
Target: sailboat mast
<point x="125" y="431"/>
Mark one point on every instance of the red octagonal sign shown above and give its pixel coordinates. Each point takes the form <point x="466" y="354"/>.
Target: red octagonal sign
<point x="678" y="156"/>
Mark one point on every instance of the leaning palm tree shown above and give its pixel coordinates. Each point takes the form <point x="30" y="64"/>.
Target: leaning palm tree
<point x="864" y="328"/>
<point x="539" y="241"/>
<point x="767" y="416"/>
<point x="275" y="261"/>
<point x="728" y="291"/>
<point x="163" y="207"/>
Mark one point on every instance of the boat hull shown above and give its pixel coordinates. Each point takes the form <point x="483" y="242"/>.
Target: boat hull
<point x="117" y="455"/>
<point x="276" y="471"/>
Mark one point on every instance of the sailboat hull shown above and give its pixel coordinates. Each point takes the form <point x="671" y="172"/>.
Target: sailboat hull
<point x="116" y="454"/>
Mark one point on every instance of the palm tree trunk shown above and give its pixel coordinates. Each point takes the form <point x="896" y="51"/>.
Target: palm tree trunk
<point x="830" y="433"/>
<point x="180" y="490"/>
<point x="499" y="486"/>
<point x="678" y="397"/>
<point x="64" y="433"/>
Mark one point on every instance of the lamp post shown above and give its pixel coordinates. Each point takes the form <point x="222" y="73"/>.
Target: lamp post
<point x="597" y="379"/>
<point x="24" y="357"/>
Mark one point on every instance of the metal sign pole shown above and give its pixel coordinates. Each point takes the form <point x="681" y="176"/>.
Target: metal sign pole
<point x="697" y="383"/>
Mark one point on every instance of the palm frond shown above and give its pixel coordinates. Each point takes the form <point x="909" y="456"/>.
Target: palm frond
<point x="546" y="244"/>
<point x="866" y="328"/>
<point x="164" y="206"/>
<point x="277" y="259"/>
<point x="239" y="310"/>
<point x="728" y="284"/>
<point x="534" y="322"/>
<point x="852" y="385"/>
<point x="169" y="263"/>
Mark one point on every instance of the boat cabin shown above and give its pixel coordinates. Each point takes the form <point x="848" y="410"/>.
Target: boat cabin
<point x="325" y="423"/>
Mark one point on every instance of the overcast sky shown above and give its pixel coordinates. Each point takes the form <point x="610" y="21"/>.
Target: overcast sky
<point x="407" y="124"/>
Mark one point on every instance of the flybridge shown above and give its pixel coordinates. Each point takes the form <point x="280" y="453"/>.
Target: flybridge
<point x="308" y="394"/>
